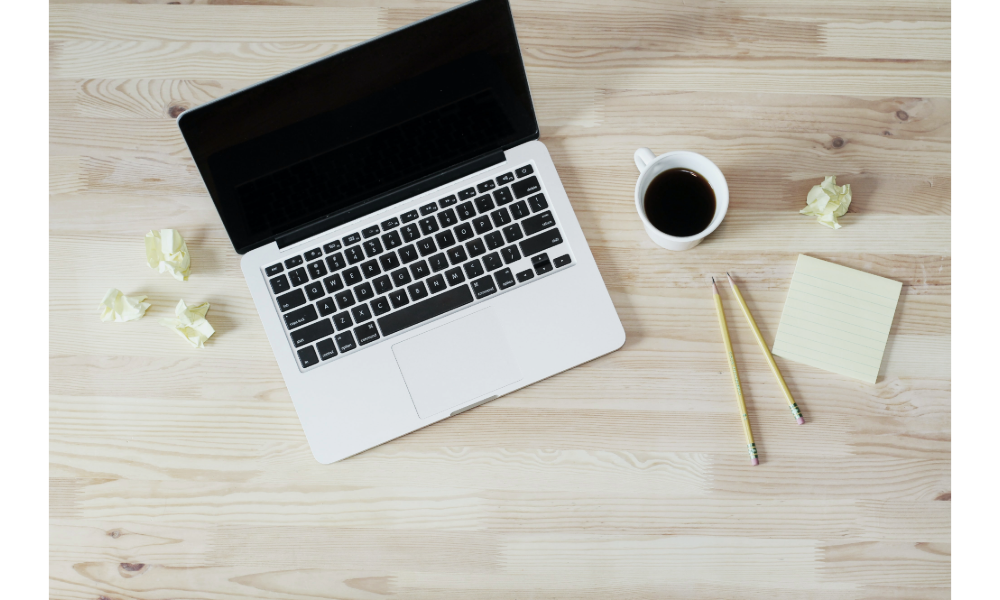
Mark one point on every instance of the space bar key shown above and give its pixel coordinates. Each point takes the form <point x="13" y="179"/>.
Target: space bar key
<point x="434" y="306"/>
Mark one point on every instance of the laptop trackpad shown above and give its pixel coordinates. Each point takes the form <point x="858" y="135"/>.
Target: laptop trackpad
<point x="455" y="363"/>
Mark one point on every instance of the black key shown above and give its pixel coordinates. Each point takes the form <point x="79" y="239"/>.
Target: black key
<point x="543" y="257"/>
<point x="493" y="240"/>
<point x="383" y="284"/>
<point x="345" y="299"/>
<point x="293" y="261"/>
<point x="326" y="306"/>
<point x="333" y="283"/>
<point x="354" y="255"/>
<point x="457" y="255"/>
<point x="492" y="261"/>
<point x="391" y="240"/>
<point x="445" y="238"/>
<point x="539" y="222"/>
<point x="335" y="262"/>
<point x="298" y="276"/>
<point x="504" y="278"/>
<point x="430" y="308"/>
<point x="364" y="292"/>
<point x="563" y="260"/>
<point x="327" y="349"/>
<point x="315" y="290"/>
<point x="483" y="287"/>
<point x="417" y="291"/>
<point x="543" y="267"/>
<point x="484" y="204"/>
<point x="428" y="208"/>
<point x="420" y="269"/>
<point x="428" y="225"/>
<point x="317" y="269"/>
<point x="505" y="179"/>
<point x="373" y="247"/>
<point x="332" y="246"/>
<point x="361" y="313"/>
<point x="307" y="357"/>
<point x="473" y="268"/>
<point x="426" y="246"/>
<point x="523" y="171"/>
<point x="407" y="254"/>
<point x="389" y="261"/>
<point x="367" y="333"/>
<point x="526" y="186"/>
<point x="465" y="211"/>
<point x="409" y="216"/>
<point x="342" y="320"/>
<point x="464" y="232"/>
<point x="500" y="217"/>
<point x="410" y="232"/>
<point x="542" y="241"/>
<point x="538" y="203"/>
<point x="486" y="186"/>
<point x="352" y="276"/>
<point x="436" y="284"/>
<point x="502" y="196"/>
<point x="390" y="224"/>
<point x="313" y="254"/>
<point x="519" y="210"/>
<point x="525" y="275"/>
<point x="438" y="262"/>
<point x="370" y="231"/>
<point x="482" y="224"/>
<point x="300" y="316"/>
<point x="401" y="277"/>
<point x="454" y="276"/>
<point x="291" y="300"/>
<point x="476" y="247"/>
<point x="467" y="193"/>
<point x="279" y="284"/>
<point x="380" y="305"/>
<point x="344" y="341"/>
<point x="510" y="254"/>
<point x="399" y="298"/>
<point x="447" y="218"/>
<point x="448" y="201"/>
<point x="370" y="269"/>
<point x="274" y="269"/>
<point x="353" y="238"/>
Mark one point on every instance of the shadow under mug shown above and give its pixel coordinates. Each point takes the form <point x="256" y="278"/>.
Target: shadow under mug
<point x="650" y="166"/>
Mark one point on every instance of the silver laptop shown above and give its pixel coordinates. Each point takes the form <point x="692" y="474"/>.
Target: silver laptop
<point x="405" y="236"/>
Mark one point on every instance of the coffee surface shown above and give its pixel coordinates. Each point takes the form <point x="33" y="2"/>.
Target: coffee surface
<point x="680" y="202"/>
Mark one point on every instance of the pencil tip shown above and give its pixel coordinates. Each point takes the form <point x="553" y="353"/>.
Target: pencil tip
<point x="713" y="281"/>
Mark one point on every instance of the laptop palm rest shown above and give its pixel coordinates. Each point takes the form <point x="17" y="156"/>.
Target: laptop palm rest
<point x="456" y="363"/>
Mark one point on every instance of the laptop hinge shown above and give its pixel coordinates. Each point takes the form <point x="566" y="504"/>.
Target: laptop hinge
<point x="389" y="198"/>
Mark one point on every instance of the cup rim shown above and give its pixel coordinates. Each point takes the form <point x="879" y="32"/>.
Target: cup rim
<point x="720" y="212"/>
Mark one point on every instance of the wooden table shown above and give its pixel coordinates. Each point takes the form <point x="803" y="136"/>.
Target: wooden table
<point x="184" y="473"/>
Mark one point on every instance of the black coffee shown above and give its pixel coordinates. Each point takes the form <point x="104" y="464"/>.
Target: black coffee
<point x="679" y="202"/>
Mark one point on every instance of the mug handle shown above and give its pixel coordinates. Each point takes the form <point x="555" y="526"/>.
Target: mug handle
<point x="643" y="156"/>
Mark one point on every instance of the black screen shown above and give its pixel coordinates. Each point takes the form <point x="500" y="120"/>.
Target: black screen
<point x="329" y="137"/>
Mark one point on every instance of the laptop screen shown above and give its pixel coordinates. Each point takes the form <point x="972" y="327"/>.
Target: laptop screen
<point x="328" y="137"/>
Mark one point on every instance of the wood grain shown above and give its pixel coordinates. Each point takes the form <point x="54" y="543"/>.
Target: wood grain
<point x="184" y="473"/>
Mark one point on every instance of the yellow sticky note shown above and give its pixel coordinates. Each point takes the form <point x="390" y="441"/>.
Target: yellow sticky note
<point x="827" y="201"/>
<point x="120" y="308"/>
<point x="167" y="252"/>
<point x="189" y="322"/>
<point x="837" y="318"/>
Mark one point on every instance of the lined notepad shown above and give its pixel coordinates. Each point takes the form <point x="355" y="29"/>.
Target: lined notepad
<point x="837" y="318"/>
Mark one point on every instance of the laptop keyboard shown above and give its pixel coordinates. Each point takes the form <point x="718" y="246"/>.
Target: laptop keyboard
<point x="349" y="293"/>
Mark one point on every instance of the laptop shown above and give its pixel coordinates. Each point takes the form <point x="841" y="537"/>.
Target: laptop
<point x="405" y="237"/>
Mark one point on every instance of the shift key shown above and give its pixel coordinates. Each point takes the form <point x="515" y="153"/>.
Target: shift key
<point x="542" y="241"/>
<point x="311" y="333"/>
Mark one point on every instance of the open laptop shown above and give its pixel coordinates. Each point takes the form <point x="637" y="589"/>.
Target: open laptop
<point x="405" y="236"/>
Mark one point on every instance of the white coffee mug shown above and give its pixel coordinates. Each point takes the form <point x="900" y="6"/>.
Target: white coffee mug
<point x="650" y="166"/>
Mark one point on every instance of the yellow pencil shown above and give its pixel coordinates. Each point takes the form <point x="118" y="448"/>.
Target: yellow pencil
<point x="751" y="447"/>
<point x="767" y="353"/>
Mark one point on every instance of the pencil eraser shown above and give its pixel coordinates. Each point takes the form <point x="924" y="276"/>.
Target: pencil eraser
<point x="754" y="461"/>
<point x="800" y="420"/>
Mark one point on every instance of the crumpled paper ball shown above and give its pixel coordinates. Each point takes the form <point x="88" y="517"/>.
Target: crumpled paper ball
<point x="167" y="251"/>
<point x="827" y="201"/>
<point x="120" y="308"/>
<point x="190" y="323"/>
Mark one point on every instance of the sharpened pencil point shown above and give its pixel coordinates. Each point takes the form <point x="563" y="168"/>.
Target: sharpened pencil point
<point x="715" y="288"/>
